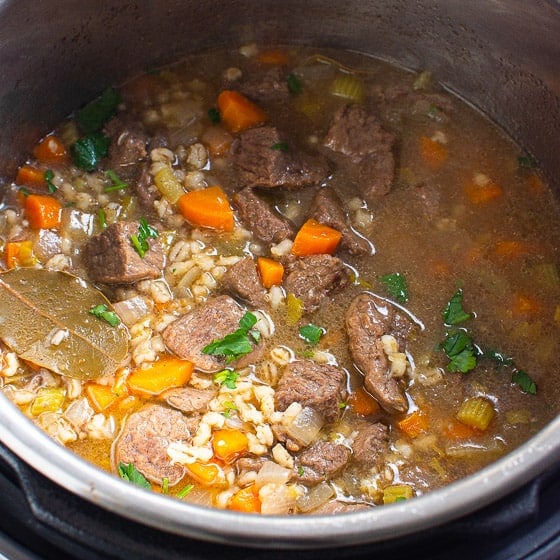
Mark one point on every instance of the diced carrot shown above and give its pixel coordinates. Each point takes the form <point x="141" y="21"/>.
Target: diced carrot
<point x="207" y="208"/>
<point x="314" y="238"/>
<point x="457" y="430"/>
<point x="238" y="112"/>
<point x="273" y="57"/>
<point x="271" y="271"/>
<point x="101" y="397"/>
<point x="19" y="253"/>
<point x="509" y="249"/>
<point x="205" y="473"/>
<point x="51" y="150"/>
<point x="246" y="500"/>
<point x="414" y="424"/>
<point x="228" y="444"/>
<point x="30" y="176"/>
<point x="43" y="211"/>
<point x="217" y="140"/>
<point x="524" y="305"/>
<point x="482" y="190"/>
<point x="535" y="185"/>
<point x="363" y="403"/>
<point x="159" y="376"/>
<point x="434" y="153"/>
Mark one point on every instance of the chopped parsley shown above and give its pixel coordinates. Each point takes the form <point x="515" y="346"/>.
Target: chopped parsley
<point x="526" y="162"/>
<point x="101" y="311"/>
<point x="49" y="176"/>
<point x="140" y="241"/>
<point x="95" y="114"/>
<point x="524" y="381"/>
<point x="214" y="115"/>
<point x="461" y="352"/>
<point x="102" y="218"/>
<point x="89" y="150"/>
<point x="186" y="489"/>
<point x="24" y="191"/>
<point x="227" y="377"/>
<point x="237" y="343"/>
<point x="453" y="314"/>
<point x="131" y="474"/>
<point x="499" y="357"/>
<point x="311" y="333"/>
<point x="117" y="184"/>
<point x="294" y="84"/>
<point x="280" y="147"/>
<point x="396" y="286"/>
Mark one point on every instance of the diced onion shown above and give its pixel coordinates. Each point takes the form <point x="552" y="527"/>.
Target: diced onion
<point x="131" y="310"/>
<point x="273" y="473"/>
<point x="306" y="426"/>
<point x="277" y="500"/>
<point x="315" y="497"/>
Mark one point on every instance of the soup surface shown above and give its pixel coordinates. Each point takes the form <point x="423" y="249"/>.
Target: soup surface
<point x="281" y="280"/>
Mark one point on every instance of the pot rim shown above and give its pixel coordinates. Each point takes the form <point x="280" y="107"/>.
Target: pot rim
<point x="71" y="472"/>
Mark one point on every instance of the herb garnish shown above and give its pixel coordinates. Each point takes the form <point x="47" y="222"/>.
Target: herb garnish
<point x="294" y="84"/>
<point x="519" y="377"/>
<point x="453" y="314"/>
<point x="186" y="489"/>
<point x="311" y="333"/>
<point x="461" y="352"/>
<point x="227" y="377"/>
<point x="117" y="183"/>
<point x="101" y="311"/>
<point x="140" y="241"/>
<point x="131" y="474"/>
<point x="214" y="115"/>
<point x="89" y="150"/>
<point x="237" y="343"/>
<point x="102" y="218"/>
<point x="526" y="162"/>
<point x="94" y="115"/>
<point x="280" y="147"/>
<point x="49" y="176"/>
<point x="165" y="485"/>
<point x="396" y="285"/>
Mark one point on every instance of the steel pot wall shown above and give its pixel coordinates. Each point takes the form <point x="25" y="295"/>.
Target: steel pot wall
<point x="503" y="56"/>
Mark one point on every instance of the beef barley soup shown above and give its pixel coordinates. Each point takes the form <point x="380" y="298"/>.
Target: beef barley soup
<point x="281" y="280"/>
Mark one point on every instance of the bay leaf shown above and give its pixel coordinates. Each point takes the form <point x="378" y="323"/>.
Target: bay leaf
<point x="45" y="320"/>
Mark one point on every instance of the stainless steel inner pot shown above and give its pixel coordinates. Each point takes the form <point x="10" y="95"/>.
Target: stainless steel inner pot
<point x="503" y="56"/>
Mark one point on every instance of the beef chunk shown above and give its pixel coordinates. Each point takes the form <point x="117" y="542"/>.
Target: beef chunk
<point x="128" y="147"/>
<point x="312" y="278"/>
<point x="112" y="259"/>
<point x="242" y="280"/>
<point x="319" y="386"/>
<point x="366" y="150"/>
<point x="261" y="161"/>
<point x="144" y="441"/>
<point x="189" y="399"/>
<point x="259" y="217"/>
<point x="327" y="209"/>
<point x="145" y="189"/>
<point x="188" y="335"/>
<point x="321" y="461"/>
<point x="371" y="443"/>
<point x="272" y="86"/>
<point x="367" y="319"/>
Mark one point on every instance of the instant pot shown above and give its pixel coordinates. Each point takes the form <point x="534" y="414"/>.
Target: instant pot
<point x="502" y="56"/>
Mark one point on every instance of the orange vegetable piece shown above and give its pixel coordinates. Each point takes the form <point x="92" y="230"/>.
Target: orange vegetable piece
<point x="511" y="249"/>
<point x="101" y="397"/>
<point x="434" y="153"/>
<point x="457" y="430"/>
<point x="524" y="305"/>
<point x="314" y="238"/>
<point x="30" y="176"/>
<point x="19" y="253"/>
<point x="238" y="112"/>
<point x="363" y="403"/>
<point x="51" y="150"/>
<point x="271" y="271"/>
<point x="414" y="424"/>
<point x="207" y="208"/>
<point x="159" y="376"/>
<point x="205" y="473"/>
<point x="273" y="57"/>
<point x="482" y="191"/>
<point x="246" y="500"/>
<point x="229" y="444"/>
<point x="43" y="211"/>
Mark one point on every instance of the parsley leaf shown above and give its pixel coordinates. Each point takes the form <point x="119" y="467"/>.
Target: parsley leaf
<point x="237" y="343"/>
<point x="294" y="84"/>
<point x="101" y="311"/>
<point x="525" y="382"/>
<point x="131" y="474"/>
<point x="499" y="357"/>
<point x="49" y="176"/>
<point x="117" y="183"/>
<point x="94" y="115"/>
<point x="227" y="377"/>
<point x="526" y="162"/>
<point x="311" y="333"/>
<point x="396" y="285"/>
<point x="89" y="150"/>
<point x="453" y="314"/>
<point x="140" y="241"/>
<point x="461" y="352"/>
<point x="280" y="147"/>
<point x="214" y="115"/>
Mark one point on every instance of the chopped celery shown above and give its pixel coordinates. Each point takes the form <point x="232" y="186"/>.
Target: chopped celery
<point x="476" y="412"/>
<point x="397" y="493"/>
<point x="349" y="87"/>
<point x="294" y="309"/>
<point x="48" y="399"/>
<point x="168" y="185"/>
